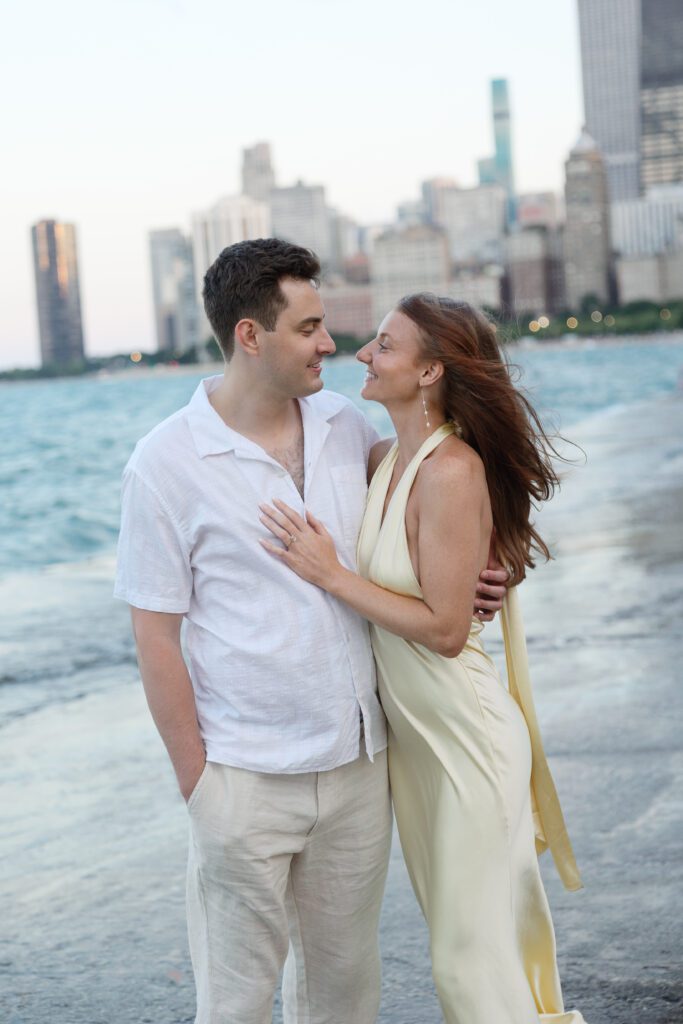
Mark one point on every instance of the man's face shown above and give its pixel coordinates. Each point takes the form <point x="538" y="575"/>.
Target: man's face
<point x="292" y="354"/>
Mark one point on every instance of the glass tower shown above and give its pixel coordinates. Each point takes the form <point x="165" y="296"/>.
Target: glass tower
<point x="661" y="92"/>
<point x="57" y="293"/>
<point x="497" y="169"/>
<point x="632" y="63"/>
<point x="610" y="60"/>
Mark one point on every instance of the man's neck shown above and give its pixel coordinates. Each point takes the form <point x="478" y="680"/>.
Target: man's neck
<point x="255" y="411"/>
<point x="270" y="420"/>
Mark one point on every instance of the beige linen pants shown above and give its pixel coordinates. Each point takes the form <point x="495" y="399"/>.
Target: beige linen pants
<point x="282" y="862"/>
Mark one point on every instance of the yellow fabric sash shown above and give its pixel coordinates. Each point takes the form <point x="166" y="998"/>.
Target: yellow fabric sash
<point x="549" y="824"/>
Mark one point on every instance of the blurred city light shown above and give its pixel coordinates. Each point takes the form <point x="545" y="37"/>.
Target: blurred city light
<point x="572" y="322"/>
<point x="596" y="316"/>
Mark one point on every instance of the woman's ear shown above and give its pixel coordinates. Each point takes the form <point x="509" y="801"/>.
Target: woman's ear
<point x="432" y="373"/>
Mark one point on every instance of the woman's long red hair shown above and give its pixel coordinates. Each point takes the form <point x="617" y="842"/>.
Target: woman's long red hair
<point x="495" y="418"/>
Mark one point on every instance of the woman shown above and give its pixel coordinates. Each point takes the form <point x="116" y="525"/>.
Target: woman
<point x="466" y="763"/>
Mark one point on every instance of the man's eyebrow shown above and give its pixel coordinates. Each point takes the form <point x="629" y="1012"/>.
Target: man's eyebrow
<point x="311" y="320"/>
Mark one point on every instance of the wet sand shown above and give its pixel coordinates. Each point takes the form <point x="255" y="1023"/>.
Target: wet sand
<point x="94" y="834"/>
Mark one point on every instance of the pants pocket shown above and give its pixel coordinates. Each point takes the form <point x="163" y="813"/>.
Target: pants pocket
<point x="197" y="787"/>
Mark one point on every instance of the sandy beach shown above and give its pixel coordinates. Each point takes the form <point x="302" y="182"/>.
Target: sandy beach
<point x="94" y="833"/>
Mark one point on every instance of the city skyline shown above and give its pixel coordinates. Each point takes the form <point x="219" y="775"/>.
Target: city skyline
<point x="126" y="132"/>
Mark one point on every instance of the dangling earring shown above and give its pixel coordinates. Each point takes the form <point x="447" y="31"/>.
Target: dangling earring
<point x="424" y="406"/>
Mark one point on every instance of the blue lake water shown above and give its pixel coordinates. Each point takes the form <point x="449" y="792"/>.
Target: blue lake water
<point x="65" y="443"/>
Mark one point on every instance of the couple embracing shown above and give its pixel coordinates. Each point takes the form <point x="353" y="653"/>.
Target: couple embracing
<point x="296" y="545"/>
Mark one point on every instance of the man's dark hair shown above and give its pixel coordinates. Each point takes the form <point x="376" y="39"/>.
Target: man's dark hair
<point x="244" y="281"/>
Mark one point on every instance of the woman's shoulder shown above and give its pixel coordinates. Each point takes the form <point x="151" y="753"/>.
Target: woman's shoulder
<point x="377" y="453"/>
<point x="454" y="462"/>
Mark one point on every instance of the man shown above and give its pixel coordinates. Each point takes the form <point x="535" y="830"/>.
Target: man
<point x="275" y="731"/>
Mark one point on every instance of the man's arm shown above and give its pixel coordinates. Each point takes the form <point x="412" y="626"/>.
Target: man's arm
<point x="169" y="692"/>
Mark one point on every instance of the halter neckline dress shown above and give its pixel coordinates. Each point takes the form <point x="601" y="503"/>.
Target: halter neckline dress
<point x="466" y="763"/>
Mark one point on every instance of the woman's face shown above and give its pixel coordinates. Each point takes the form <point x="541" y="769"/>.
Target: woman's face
<point x="393" y="361"/>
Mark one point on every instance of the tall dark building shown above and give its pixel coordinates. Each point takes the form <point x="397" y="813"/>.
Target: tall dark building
<point x="57" y="293"/>
<point x="610" y="63"/>
<point x="632" y="64"/>
<point x="661" y="92"/>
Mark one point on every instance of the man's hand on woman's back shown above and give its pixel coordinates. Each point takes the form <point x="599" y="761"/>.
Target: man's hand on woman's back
<point x="490" y="591"/>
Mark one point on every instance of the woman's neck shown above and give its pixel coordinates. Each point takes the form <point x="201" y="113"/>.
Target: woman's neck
<point x="412" y="431"/>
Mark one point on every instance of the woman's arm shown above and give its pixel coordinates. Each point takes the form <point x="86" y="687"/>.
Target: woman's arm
<point x="492" y="582"/>
<point x="452" y="509"/>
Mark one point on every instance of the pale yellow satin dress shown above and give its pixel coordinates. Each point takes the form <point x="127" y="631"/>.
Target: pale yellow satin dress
<point x="466" y="763"/>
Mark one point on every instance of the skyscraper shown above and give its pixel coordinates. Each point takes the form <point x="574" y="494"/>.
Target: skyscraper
<point x="408" y="260"/>
<point x="632" y="61"/>
<point x="498" y="169"/>
<point x="175" y="307"/>
<point x="587" y="232"/>
<point x="345" y="239"/>
<point x="300" y="214"/>
<point x="57" y="293"/>
<point x="416" y="258"/>
<point x="231" y="219"/>
<point x="610" y="61"/>
<point x="474" y="219"/>
<point x="661" y="92"/>
<point x="535" y="271"/>
<point x="434" y="193"/>
<point x="650" y="225"/>
<point x="258" y="176"/>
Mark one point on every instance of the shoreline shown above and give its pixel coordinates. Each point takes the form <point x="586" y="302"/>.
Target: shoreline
<point x="526" y="342"/>
<point x="576" y="341"/>
<point x="94" y="831"/>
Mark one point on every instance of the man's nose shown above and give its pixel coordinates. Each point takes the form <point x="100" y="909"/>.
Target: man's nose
<point x="326" y="343"/>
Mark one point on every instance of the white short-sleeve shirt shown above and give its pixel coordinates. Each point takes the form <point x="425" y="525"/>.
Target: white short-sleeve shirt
<point x="280" y="669"/>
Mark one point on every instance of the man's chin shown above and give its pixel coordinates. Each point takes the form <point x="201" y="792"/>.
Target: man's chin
<point x="310" y="387"/>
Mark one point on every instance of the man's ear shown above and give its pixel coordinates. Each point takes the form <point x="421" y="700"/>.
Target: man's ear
<point x="246" y="337"/>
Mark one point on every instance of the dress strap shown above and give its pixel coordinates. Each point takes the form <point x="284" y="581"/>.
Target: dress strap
<point x="425" y="449"/>
<point x="551" y="830"/>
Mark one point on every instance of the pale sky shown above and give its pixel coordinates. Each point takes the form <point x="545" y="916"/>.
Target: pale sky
<point x="127" y="116"/>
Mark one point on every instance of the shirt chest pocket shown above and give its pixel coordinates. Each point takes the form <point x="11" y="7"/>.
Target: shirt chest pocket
<point x="349" y="490"/>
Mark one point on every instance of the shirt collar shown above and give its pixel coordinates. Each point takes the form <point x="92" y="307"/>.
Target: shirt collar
<point x="212" y="436"/>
